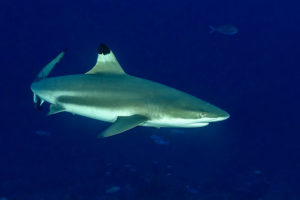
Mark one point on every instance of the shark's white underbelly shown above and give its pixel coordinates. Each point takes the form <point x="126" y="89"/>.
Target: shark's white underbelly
<point x="109" y="115"/>
<point x="171" y="123"/>
<point x="98" y="113"/>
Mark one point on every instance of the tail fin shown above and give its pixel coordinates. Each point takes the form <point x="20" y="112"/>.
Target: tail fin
<point x="48" y="68"/>
<point x="43" y="74"/>
<point x="212" y="29"/>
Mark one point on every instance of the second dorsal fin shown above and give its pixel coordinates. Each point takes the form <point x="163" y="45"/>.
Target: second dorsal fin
<point x="106" y="62"/>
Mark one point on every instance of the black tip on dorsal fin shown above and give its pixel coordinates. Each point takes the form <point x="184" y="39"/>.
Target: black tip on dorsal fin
<point x="103" y="49"/>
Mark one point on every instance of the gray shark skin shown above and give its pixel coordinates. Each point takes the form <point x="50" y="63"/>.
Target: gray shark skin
<point x="107" y="93"/>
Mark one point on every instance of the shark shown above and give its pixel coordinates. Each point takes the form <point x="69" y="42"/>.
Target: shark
<point x="107" y="93"/>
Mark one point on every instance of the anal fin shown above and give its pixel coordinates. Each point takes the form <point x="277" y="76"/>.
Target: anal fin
<point x="53" y="109"/>
<point x="38" y="102"/>
<point x="123" y="124"/>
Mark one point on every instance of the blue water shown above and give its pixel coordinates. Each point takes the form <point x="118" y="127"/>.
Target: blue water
<point x="253" y="75"/>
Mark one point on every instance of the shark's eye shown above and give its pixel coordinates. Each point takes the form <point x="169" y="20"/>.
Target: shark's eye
<point x="201" y="115"/>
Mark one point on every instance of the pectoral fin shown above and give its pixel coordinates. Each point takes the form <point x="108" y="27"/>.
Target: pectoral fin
<point x="123" y="124"/>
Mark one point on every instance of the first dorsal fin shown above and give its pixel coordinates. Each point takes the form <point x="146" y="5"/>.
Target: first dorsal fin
<point x="106" y="62"/>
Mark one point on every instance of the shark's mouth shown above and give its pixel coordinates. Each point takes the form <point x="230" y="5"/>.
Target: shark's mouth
<point x="197" y="124"/>
<point x="208" y="120"/>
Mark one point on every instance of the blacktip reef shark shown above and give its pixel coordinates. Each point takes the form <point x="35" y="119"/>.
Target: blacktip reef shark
<point x="106" y="92"/>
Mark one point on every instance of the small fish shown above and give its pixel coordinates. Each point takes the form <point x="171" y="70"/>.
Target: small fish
<point x="191" y="190"/>
<point x="224" y="29"/>
<point x="159" y="140"/>
<point x="169" y="166"/>
<point x="113" y="189"/>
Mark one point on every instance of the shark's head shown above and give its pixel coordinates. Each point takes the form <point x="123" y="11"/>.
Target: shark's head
<point x="205" y="113"/>
<point x="196" y="113"/>
<point x="211" y="114"/>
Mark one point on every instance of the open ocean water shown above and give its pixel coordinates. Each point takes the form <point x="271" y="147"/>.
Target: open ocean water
<point x="242" y="56"/>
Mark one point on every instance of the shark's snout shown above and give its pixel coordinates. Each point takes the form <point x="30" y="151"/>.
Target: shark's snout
<point x="219" y="115"/>
<point x="212" y="114"/>
<point x="223" y="114"/>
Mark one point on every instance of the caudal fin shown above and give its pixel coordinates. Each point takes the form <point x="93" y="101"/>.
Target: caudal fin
<point x="48" y="68"/>
<point x="43" y="74"/>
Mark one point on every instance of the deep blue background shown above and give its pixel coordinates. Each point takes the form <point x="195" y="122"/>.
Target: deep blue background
<point x="253" y="75"/>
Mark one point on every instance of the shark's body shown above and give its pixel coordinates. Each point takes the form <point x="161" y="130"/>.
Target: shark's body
<point x="107" y="93"/>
